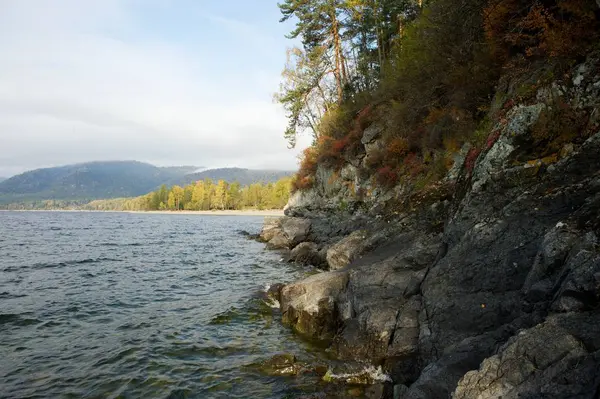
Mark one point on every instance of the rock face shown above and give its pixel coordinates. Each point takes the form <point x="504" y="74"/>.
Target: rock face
<point x="491" y="292"/>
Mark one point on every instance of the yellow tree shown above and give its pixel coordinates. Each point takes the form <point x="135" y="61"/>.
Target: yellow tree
<point x="198" y="195"/>
<point x="178" y="193"/>
<point x="220" y="197"/>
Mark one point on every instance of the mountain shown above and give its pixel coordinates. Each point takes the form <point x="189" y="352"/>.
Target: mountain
<point x="2" y="178"/>
<point x="242" y="176"/>
<point x="92" y="180"/>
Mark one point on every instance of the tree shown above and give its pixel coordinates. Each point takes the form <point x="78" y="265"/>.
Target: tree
<point x="304" y="93"/>
<point x="319" y="26"/>
<point x="178" y="194"/>
<point x="234" y="196"/>
<point x="220" y="195"/>
<point x="198" y="195"/>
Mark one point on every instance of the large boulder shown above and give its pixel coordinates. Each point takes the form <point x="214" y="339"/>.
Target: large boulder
<point x="295" y="229"/>
<point x="271" y="227"/>
<point x="544" y="361"/>
<point x="284" y="233"/>
<point x="307" y="253"/>
<point x="347" y="249"/>
<point x="309" y="305"/>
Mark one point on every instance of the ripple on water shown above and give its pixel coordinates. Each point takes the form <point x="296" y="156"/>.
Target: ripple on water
<point x="137" y="305"/>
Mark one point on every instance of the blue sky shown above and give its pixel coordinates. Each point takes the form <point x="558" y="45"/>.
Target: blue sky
<point x="167" y="82"/>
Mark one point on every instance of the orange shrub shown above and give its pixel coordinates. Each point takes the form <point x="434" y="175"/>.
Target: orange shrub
<point x="554" y="28"/>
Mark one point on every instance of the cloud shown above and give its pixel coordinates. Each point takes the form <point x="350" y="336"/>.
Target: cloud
<point x="82" y="81"/>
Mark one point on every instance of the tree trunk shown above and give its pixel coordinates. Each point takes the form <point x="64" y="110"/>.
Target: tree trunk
<point x="338" y="70"/>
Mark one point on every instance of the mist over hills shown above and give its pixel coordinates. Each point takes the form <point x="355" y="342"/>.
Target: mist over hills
<point x="243" y="176"/>
<point x="114" y="179"/>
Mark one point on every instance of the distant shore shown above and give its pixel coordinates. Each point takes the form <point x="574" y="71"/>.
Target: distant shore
<point x="247" y="212"/>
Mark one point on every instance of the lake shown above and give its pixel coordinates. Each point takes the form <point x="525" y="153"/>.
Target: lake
<point x="118" y="305"/>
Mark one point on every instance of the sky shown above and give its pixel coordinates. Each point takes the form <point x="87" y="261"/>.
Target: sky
<point x="169" y="82"/>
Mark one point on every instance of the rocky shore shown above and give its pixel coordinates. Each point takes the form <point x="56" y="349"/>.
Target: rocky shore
<point x="486" y="285"/>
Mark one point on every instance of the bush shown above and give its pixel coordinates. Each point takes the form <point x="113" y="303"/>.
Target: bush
<point x="386" y="176"/>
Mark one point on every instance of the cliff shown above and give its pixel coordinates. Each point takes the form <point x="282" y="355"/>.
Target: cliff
<point x="483" y="284"/>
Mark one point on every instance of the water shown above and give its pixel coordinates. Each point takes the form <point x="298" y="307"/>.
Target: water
<point x="117" y="305"/>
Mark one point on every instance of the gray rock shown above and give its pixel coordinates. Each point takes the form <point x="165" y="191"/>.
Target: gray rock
<point x="271" y="227"/>
<point x="371" y="133"/>
<point x="527" y="365"/>
<point x="307" y="253"/>
<point x="346" y="250"/>
<point x="309" y="305"/>
<point x="279" y="241"/>
<point x="295" y="229"/>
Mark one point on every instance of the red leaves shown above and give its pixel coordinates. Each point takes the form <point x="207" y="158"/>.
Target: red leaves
<point x="471" y="158"/>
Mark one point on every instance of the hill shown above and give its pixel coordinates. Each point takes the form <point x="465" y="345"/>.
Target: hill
<point x="90" y="180"/>
<point x="243" y="176"/>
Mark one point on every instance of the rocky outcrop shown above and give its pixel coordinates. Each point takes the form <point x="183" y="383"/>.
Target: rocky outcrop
<point x="492" y="292"/>
<point x="543" y="361"/>
<point x="280" y="233"/>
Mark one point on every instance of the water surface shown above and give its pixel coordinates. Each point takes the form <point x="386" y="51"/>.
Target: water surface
<point x="107" y="305"/>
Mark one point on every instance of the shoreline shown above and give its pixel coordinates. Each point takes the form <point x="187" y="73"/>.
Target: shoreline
<point x="250" y="212"/>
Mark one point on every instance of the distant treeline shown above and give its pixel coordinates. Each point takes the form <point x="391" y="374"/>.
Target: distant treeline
<point x="199" y="196"/>
<point x="202" y="196"/>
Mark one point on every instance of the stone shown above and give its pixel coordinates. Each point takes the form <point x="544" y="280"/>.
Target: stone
<point x="525" y="366"/>
<point x="306" y="253"/>
<point x="271" y="227"/>
<point x="279" y="241"/>
<point x="295" y="229"/>
<point x="309" y="305"/>
<point x="283" y="364"/>
<point x="371" y="133"/>
<point x="346" y="250"/>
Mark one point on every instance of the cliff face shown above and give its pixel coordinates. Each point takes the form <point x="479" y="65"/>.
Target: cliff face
<point x="485" y="285"/>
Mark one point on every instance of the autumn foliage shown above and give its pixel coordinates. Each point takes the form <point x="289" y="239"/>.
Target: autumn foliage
<point x="557" y="28"/>
<point x="435" y="89"/>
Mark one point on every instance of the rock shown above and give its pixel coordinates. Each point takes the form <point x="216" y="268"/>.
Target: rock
<point x="458" y="162"/>
<point x="271" y="227"/>
<point x="282" y="364"/>
<point x="279" y="241"/>
<point x="306" y="253"/>
<point x="528" y="366"/>
<point x="295" y="229"/>
<point x="309" y="305"/>
<point x="284" y="233"/>
<point x="346" y="250"/>
<point x="274" y="291"/>
<point x="371" y="133"/>
<point x="581" y="287"/>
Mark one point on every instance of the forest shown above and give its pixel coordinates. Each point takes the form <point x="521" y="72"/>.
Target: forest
<point x="203" y="195"/>
<point x="424" y="72"/>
